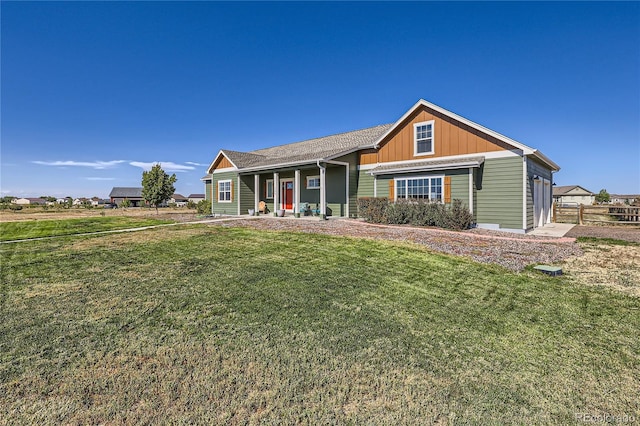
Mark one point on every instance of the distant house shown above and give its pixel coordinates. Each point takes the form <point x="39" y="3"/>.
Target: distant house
<point x="179" y="200"/>
<point x="573" y="194"/>
<point x="133" y="194"/>
<point x="29" y="201"/>
<point x="624" y="199"/>
<point x="196" y="198"/>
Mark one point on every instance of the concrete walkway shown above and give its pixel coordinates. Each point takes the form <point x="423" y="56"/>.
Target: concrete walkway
<point x="552" y="230"/>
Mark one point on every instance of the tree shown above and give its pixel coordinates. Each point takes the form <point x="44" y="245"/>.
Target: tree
<point x="603" y="196"/>
<point x="157" y="186"/>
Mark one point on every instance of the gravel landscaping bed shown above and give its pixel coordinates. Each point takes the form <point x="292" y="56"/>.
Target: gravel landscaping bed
<point x="514" y="252"/>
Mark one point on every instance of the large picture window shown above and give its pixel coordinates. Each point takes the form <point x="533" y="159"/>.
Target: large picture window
<point x="423" y="137"/>
<point x="425" y="188"/>
<point x="224" y="191"/>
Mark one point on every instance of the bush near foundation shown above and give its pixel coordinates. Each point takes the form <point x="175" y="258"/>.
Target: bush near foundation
<point x="415" y="212"/>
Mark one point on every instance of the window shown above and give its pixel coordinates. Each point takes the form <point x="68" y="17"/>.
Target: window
<point x="423" y="138"/>
<point x="269" y="189"/>
<point x="313" y="182"/>
<point x="224" y="191"/>
<point x="426" y="188"/>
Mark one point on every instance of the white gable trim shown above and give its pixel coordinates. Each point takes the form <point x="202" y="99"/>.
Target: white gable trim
<point x="221" y="152"/>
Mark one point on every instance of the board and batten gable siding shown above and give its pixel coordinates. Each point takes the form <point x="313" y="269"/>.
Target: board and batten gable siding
<point x="222" y="163"/>
<point x="450" y="138"/>
<point x="499" y="191"/>
<point x="225" y="208"/>
<point x="535" y="168"/>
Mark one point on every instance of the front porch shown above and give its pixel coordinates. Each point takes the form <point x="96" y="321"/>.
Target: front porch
<point x="318" y="190"/>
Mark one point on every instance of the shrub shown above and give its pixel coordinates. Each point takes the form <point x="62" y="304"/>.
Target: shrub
<point x="458" y="216"/>
<point x="373" y="209"/>
<point x="415" y="212"/>
<point x="204" y="207"/>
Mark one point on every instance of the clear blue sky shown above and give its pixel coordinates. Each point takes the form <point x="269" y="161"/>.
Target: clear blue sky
<point x="94" y="92"/>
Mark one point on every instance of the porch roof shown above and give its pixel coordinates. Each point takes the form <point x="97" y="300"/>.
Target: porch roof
<point x="429" y="165"/>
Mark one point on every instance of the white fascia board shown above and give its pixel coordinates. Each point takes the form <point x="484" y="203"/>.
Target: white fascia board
<point x="422" y="103"/>
<point x="221" y="152"/>
<point x="540" y="156"/>
<point x="279" y="165"/>
<point x="226" y="169"/>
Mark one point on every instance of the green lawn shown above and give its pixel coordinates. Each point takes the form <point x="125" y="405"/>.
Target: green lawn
<point x="219" y="325"/>
<point x="45" y="228"/>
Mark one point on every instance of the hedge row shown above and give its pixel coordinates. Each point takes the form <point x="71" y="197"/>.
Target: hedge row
<point x="415" y="212"/>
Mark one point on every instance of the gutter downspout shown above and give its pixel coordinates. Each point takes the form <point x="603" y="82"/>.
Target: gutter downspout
<point x="346" y="165"/>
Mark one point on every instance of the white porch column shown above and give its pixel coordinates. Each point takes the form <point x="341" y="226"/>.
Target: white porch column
<point x="276" y="193"/>
<point x="256" y="194"/>
<point x="323" y="192"/>
<point x="296" y="194"/>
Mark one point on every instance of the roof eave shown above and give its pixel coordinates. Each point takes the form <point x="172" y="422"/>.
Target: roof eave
<point x="280" y="165"/>
<point x="540" y="156"/>
<point x="428" y="167"/>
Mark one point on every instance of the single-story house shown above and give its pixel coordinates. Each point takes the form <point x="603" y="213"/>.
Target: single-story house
<point x="196" y="198"/>
<point x="624" y="199"/>
<point x="179" y="200"/>
<point x="573" y="194"/>
<point x="428" y="153"/>
<point x="29" y="201"/>
<point x="133" y="194"/>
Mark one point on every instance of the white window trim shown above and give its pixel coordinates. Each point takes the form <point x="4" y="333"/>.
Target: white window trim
<point x="415" y="138"/>
<point x="230" y="191"/>
<point x="269" y="181"/>
<point x="395" y="186"/>
<point x="313" y="177"/>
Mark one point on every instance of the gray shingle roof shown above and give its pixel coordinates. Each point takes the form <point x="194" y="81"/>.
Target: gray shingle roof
<point x="125" y="192"/>
<point x="561" y="190"/>
<point x="308" y="150"/>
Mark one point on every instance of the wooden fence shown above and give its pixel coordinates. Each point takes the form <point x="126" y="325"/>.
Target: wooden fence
<point x="581" y="214"/>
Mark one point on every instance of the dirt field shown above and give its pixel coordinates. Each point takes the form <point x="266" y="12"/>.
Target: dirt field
<point x="620" y="232"/>
<point x="177" y="214"/>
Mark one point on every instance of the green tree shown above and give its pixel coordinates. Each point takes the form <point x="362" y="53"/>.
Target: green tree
<point x="603" y="196"/>
<point x="157" y="186"/>
<point x="125" y="203"/>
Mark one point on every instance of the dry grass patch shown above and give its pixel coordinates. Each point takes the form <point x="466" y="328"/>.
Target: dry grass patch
<point x="608" y="265"/>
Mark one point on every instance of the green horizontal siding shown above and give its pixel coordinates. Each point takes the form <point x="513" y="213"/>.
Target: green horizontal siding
<point x="225" y="208"/>
<point x="365" y="184"/>
<point x="499" y="192"/>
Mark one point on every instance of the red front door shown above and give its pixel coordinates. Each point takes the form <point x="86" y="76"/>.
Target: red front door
<point x="287" y="195"/>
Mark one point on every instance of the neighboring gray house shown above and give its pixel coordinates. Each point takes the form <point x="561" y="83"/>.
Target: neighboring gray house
<point x="196" y="198"/>
<point x="179" y="200"/>
<point x="429" y="153"/>
<point x="573" y="194"/>
<point x="133" y="194"/>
